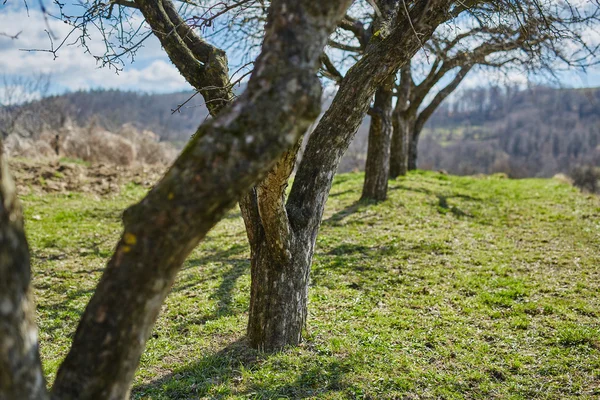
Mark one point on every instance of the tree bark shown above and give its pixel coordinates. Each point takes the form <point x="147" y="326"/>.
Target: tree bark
<point x="281" y="305"/>
<point x="413" y="144"/>
<point x="380" y="137"/>
<point x="21" y="374"/>
<point x="278" y="296"/>
<point x="228" y="155"/>
<point x="401" y="122"/>
<point x="399" y="164"/>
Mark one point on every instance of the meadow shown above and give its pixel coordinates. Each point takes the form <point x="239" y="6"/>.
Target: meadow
<point x="454" y="288"/>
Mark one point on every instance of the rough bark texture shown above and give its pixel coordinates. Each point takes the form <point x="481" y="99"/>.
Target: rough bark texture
<point x="204" y="66"/>
<point x="380" y="138"/>
<point x="400" y="136"/>
<point x="21" y="376"/>
<point x="278" y="297"/>
<point x="228" y="155"/>
<point x="280" y="283"/>
<point x="413" y="144"/>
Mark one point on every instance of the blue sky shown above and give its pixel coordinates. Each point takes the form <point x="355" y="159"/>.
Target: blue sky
<point x="151" y="71"/>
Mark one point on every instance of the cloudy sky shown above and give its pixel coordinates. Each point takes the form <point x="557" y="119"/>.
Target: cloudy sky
<point x="73" y="69"/>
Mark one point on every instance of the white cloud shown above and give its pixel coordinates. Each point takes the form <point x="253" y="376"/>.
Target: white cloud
<point x="72" y="69"/>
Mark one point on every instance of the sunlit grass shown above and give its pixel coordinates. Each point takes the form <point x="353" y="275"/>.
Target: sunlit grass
<point x="454" y="287"/>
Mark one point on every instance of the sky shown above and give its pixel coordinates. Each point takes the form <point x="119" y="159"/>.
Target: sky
<point x="73" y="69"/>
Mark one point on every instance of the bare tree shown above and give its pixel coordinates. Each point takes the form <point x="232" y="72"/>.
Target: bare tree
<point x="17" y="106"/>
<point x="541" y="38"/>
<point x="529" y="36"/>
<point x="228" y="155"/>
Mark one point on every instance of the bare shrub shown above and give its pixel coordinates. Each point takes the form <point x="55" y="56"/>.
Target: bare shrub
<point x="147" y="146"/>
<point x="93" y="144"/>
<point x="106" y="147"/>
<point x="587" y="178"/>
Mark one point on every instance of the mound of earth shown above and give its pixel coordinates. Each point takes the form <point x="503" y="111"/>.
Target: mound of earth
<point x="62" y="176"/>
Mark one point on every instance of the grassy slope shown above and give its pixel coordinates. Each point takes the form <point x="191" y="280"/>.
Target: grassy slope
<point x="453" y="288"/>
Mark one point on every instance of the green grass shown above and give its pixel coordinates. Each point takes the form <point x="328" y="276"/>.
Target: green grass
<point x="453" y="288"/>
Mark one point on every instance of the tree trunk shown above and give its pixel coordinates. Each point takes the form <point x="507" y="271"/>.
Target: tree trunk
<point x="403" y="119"/>
<point x="278" y="295"/>
<point x="380" y="136"/>
<point x="278" y="299"/>
<point x="399" y="163"/>
<point x="21" y="374"/>
<point x="229" y="154"/>
<point x="413" y="144"/>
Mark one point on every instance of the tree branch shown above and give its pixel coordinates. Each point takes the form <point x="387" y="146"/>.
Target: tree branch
<point x="204" y="66"/>
<point x="439" y="98"/>
<point x="228" y="156"/>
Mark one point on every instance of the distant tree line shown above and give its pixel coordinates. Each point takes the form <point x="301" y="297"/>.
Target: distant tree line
<point x="110" y="109"/>
<point x="539" y="132"/>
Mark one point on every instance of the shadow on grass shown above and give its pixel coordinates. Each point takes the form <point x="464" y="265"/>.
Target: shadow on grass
<point x="216" y="376"/>
<point x="233" y="269"/>
<point x="346" y="212"/>
<point x="442" y="205"/>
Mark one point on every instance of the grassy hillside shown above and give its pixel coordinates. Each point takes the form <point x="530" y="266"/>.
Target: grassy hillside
<point x="456" y="287"/>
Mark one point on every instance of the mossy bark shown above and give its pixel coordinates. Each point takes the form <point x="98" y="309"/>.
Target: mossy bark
<point x="226" y="158"/>
<point x="380" y="137"/>
<point x="21" y="374"/>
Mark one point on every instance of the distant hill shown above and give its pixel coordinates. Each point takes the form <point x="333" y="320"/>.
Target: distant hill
<point x="113" y="108"/>
<point x="536" y="132"/>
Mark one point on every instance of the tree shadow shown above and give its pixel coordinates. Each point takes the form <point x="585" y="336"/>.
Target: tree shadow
<point x="349" y="210"/>
<point x="197" y="378"/>
<point x="214" y="375"/>
<point x="234" y="268"/>
<point x="343" y="192"/>
<point x="443" y="207"/>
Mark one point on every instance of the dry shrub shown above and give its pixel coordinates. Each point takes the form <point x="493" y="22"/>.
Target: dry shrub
<point x="587" y="178"/>
<point x="562" y="178"/>
<point x="106" y="147"/>
<point x="94" y="145"/>
<point x="148" y="148"/>
<point x="18" y="146"/>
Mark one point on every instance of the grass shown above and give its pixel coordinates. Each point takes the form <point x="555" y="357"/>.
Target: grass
<point x="455" y="287"/>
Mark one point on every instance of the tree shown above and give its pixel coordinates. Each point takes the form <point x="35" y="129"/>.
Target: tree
<point x="539" y="38"/>
<point x="227" y="156"/>
<point x="527" y="37"/>
<point x="282" y="234"/>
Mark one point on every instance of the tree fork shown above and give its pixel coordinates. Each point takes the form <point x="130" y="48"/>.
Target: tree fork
<point x="229" y="154"/>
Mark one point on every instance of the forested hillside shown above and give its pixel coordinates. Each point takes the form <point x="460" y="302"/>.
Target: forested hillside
<point x="536" y="132"/>
<point x="113" y="108"/>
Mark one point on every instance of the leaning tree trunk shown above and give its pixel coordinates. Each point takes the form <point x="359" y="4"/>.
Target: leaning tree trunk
<point x="229" y="154"/>
<point x="380" y="137"/>
<point x="21" y="374"/>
